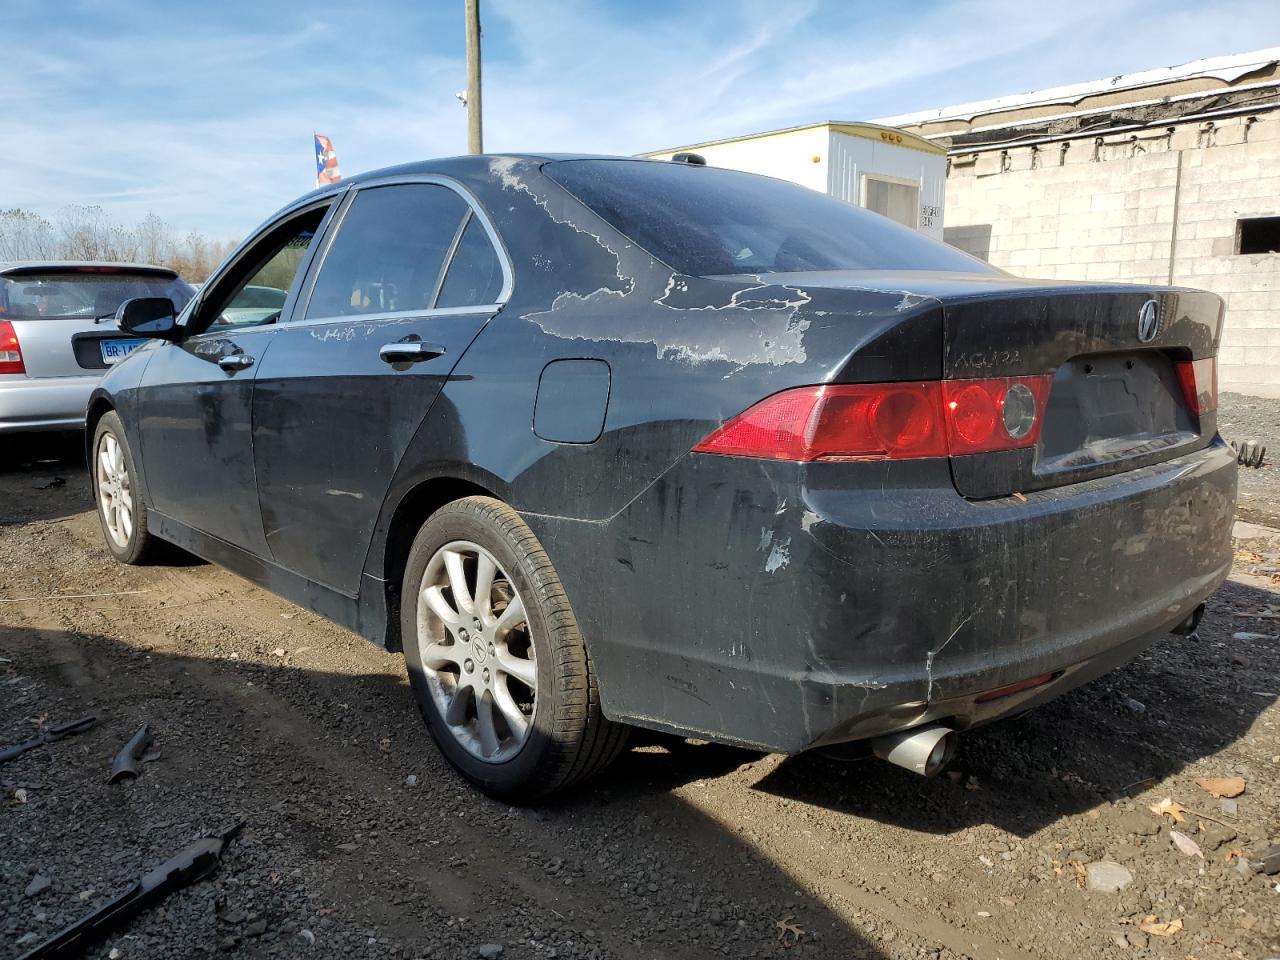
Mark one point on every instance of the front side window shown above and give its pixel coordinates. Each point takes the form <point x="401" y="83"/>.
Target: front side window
<point x="273" y="268"/>
<point x="708" y="221"/>
<point x="389" y="252"/>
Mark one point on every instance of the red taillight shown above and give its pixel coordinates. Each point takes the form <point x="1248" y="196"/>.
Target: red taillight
<point x="1199" y="379"/>
<point x="886" y="421"/>
<point x="10" y="351"/>
<point x="893" y="421"/>
<point x="1003" y="413"/>
<point x="840" y="422"/>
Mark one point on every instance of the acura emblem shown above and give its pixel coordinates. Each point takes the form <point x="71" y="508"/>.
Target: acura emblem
<point x="1148" y="321"/>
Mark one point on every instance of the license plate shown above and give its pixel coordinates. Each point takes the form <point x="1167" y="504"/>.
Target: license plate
<point x="113" y="351"/>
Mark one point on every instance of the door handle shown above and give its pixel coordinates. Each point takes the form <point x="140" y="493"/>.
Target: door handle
<point x="410" y="351"/>
<point x="237" y="361"/>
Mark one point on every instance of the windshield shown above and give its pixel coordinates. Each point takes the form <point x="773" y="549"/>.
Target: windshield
<point x="82" y="295"/>
<point x="707" y="221"/>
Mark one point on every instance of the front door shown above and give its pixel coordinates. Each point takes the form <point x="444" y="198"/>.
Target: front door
<point x="196" y="395"/>
<point x="409" y="278"/>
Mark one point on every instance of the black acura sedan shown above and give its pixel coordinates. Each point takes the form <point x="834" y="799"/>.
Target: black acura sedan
<point x="607" y="442"/>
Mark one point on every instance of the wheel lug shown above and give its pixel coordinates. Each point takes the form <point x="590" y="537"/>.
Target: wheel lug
<point x="492" y="648"/>
<point x="486" y="675"/>
<point x="468" y="666"/>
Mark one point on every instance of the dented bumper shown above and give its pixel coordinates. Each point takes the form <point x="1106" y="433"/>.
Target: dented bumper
<point x="786" y="606"/>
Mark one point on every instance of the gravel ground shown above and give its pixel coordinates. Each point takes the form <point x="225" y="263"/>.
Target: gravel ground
<point x="1243" y="418"/>
<point x="360" y="842"/>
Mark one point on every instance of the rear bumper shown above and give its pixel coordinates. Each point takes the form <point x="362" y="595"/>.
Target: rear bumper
<point x="786" y="607"/>
<point x="50" y="403"/>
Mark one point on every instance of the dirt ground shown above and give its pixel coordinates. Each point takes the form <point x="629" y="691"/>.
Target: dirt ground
<point x="360" y="841"/>
<point x="1242" y="419"/>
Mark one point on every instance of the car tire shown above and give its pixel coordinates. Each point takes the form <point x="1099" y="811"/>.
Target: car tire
<point x="518" y="648"/>
<point x="121" y="511"/>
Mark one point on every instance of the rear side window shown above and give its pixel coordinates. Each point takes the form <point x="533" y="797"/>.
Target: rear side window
<point x="83" y="295"/>
<point x="475" y="273"/>
<point x="389" y="251"/>
<point x="707" y="221"/>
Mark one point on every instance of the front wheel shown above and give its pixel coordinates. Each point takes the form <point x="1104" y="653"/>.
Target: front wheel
<point x="498" y="667"/>
<point x="120" y="508"/>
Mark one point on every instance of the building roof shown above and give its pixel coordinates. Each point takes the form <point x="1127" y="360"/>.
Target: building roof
<point x="1226" y="69"/>
<point x="853" y="128"/>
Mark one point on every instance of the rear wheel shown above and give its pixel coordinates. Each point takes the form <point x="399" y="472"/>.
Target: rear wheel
<point x="497" y="664"/>
<point x="120" y="509"/>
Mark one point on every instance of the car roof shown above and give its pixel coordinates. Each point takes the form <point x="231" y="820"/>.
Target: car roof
<point x="459" y="165"/>
<point x="20" y="267"/>
<point x="465" y="165"/>
<point x="470" y="162"/>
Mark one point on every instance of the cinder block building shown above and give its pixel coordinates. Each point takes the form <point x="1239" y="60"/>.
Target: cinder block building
<point x="1165" y="176"/>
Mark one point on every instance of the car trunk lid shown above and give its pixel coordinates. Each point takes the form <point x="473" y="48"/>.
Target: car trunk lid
<point x="1112" y="354"/>
<point x="67" y="347"/>
<point x="1114" y="399"/>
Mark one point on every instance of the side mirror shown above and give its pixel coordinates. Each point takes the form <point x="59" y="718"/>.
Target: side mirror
<point x="148" y="317"/>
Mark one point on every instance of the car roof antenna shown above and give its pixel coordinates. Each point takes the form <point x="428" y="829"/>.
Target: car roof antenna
<point x="693" y="159"/>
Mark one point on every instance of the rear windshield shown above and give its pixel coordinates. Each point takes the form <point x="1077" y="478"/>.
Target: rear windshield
<point x="82" y="295"/>
<point x="707" y="221"/>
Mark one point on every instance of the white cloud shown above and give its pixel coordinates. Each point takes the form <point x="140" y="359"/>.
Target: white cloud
<point x="213" y="131"/>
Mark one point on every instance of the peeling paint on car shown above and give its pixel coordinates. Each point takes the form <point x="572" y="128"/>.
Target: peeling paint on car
<point x="779" y="555"/>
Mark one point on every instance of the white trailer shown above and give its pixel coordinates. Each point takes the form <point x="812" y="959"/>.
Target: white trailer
<point x="890" y="171"/>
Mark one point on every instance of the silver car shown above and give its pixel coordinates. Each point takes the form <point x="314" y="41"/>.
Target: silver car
<point x="58" y="335"/>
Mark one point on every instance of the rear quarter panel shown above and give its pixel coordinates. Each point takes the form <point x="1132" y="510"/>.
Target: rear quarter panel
<point x="685" y="354"/>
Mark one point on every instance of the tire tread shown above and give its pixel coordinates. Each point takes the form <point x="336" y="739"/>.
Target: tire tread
<point x="583" y="740"/>
<point x="144" y="548"/>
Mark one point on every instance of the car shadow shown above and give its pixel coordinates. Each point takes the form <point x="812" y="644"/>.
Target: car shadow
<point x="51" y="463"/>
<point x="1184" y="699"/>
<point x="300" y="749"/>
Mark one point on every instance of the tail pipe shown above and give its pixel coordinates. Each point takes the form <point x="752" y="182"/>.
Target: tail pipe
<point x="1189" y="625"/>
<point x="923" y="750"/>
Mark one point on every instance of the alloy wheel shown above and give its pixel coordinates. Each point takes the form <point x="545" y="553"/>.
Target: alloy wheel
<point x="476" y="651"/>
<point x="115" y="493"/>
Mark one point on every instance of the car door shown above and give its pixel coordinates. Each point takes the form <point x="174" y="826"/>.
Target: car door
<point x="411" y="272"/>
<point x="195" y="397"/>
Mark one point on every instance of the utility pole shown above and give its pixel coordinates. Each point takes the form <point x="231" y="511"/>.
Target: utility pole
<point x="475" y="138"/>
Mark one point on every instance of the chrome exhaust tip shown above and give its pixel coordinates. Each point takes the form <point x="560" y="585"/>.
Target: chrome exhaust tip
<point x="923" y="750"/>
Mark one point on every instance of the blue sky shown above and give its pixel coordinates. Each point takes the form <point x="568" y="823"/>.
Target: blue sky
<point x="203" y="112"/>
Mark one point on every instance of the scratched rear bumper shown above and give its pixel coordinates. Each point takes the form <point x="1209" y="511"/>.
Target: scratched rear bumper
<point x="784" y="607"/>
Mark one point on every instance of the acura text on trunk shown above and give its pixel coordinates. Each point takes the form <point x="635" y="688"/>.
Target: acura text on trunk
<point x="602" y="442"/>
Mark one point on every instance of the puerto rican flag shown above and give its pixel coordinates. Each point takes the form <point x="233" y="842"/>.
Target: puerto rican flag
<point x="326" y="162"/>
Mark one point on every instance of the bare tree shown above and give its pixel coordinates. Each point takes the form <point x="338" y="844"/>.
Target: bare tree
<point x="26" y="236"/>
<point x="151" y="239"/>
<point x="89" y="233"/>
<point x="196" y="256"/>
